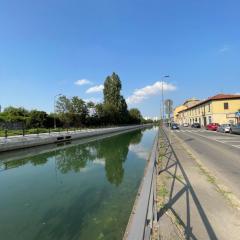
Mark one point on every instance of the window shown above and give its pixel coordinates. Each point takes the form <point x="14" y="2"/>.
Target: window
<point x="225" y="105"/>
<point x="209" y="119"/>
<point x="209" y="107"/>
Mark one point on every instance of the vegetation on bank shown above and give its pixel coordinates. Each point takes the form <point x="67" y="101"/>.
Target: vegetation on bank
<point x="74" y="113"/>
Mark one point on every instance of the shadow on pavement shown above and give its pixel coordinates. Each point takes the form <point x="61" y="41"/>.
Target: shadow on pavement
<point x="171" y="167"/>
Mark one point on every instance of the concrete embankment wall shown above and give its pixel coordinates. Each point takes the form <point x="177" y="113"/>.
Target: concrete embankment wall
<point x="44" y="139"/>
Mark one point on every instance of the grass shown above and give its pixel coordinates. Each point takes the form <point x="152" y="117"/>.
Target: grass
<point x="162" y="191"/>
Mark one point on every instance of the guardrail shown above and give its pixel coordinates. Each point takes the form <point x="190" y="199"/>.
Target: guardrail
<point x="144" y="212"/>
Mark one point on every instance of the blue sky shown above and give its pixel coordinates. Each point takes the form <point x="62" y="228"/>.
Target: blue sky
<point x="46" y="46"/>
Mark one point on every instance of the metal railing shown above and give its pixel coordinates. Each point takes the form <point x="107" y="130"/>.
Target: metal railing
<point x="144" y="213"/>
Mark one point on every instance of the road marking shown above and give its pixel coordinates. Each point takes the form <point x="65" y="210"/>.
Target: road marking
<point x="226" y="141"/>
<point x="212" y="138"/>
<point x="237" y="146"/>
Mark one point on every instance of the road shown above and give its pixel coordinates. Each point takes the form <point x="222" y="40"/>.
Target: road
<point x="219" y="152"/>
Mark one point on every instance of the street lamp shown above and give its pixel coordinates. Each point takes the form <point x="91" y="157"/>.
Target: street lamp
<point x="54" y="115"/>
<point x="164" y="77"/>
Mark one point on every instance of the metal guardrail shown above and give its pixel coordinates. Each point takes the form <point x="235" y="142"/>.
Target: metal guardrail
<point x="144" y="213"/>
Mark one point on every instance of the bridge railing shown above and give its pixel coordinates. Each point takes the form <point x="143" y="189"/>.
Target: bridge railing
<point x="144" y="212"/>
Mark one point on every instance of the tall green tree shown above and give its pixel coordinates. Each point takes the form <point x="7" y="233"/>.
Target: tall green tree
<point x="112" y="89"/>
<point x="114" y="102"/>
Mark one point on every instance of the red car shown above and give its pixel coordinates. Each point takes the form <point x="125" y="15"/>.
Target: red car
<point x="212" y="126"/>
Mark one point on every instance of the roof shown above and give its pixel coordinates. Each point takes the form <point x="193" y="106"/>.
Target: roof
<point x="191" y="100"/>
<point x="214" y="98"/>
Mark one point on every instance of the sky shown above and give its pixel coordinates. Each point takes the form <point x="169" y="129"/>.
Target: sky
<point x="69" y="47"/>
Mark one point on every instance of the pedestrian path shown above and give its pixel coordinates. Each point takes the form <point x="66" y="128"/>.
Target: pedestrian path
<point x="190" y="199"/>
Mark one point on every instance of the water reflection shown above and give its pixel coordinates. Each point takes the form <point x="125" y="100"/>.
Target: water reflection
<point x="79" y="191"/>
<point x="110" y="151"/>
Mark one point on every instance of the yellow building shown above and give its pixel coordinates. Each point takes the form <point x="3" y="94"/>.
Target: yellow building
<point x="188" y="103"/>
<point x="221" y="109"/>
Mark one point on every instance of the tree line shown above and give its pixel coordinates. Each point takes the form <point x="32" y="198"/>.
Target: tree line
<point x="75" y="112"/>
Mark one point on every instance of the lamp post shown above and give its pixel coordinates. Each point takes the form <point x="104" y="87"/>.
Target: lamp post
<point x="54" y="115"/>
<point x="164" y="77"/>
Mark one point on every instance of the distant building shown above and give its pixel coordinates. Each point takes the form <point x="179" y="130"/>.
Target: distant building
<point x="151" y="118"/>
<point x="187" y="104"/>
<point x="221" y="108"/>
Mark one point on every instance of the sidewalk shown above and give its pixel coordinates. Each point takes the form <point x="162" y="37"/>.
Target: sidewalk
<point x="31" y="140"/>
<point x="190" y="205"/>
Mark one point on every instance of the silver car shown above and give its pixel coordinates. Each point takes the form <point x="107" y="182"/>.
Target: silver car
<point x="225" y="128"/>
<point x="235" y="129"/>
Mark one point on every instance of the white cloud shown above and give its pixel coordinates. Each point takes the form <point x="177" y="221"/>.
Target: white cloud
<point x="139" y="150"/>
<point x="92" y="99"/>
<point x="143" y="93"/>
<point x="81" y="82"/>
<point x="95" y="89"/>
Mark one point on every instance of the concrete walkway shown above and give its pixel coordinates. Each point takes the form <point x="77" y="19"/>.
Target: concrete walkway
<point x="31" y="140"/>
<point x="194" y="207"/>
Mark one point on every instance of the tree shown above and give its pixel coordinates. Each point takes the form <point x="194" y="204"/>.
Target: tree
<point x="135" y="116"/>
<point x="37" y="119"/>
<point x="13" y="114"/>
<point x="72" y="112"/>
<point x="79" y="111"/>
<point x="63" y="108"/>
<point x="111" y="91"/>
<point x="90" y="104"/>
<point x="114" y="102"/>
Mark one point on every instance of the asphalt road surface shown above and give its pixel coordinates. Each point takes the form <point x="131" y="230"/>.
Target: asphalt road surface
<point x="219" y="152"/>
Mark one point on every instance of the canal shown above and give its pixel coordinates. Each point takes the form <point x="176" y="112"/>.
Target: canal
<point x="79" y="192"/>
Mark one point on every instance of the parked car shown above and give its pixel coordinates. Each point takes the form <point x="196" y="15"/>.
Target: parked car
<point x="196" y="125"/>
<point x="212" y="126"/>
<point x="185" y="125"/>
<point x="235" y="129"/>
<point x="225" y="128"/>
<point x="174" y="126"/>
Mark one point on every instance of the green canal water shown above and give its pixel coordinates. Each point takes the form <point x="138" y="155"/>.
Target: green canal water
<point x="83" y="191"/>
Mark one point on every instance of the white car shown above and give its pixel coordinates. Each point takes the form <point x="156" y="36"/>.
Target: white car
<point x="185" y="125"/>
<point x="225" y="128"/>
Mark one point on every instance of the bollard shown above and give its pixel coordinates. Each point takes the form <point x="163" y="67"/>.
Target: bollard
<point x="49" y="131"/>
<point x="6" y="133"/>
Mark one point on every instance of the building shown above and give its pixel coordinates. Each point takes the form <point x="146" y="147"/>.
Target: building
<point x="151" y="118"/>
<point x="221" y="108"/>
<point x="188" y="103"/>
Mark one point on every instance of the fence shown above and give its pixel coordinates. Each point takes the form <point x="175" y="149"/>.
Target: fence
<point x="144" y="213"/>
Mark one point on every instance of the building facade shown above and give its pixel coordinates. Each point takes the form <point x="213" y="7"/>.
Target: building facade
<point x="221" y="109"/>
<point x="187" y="104"/>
